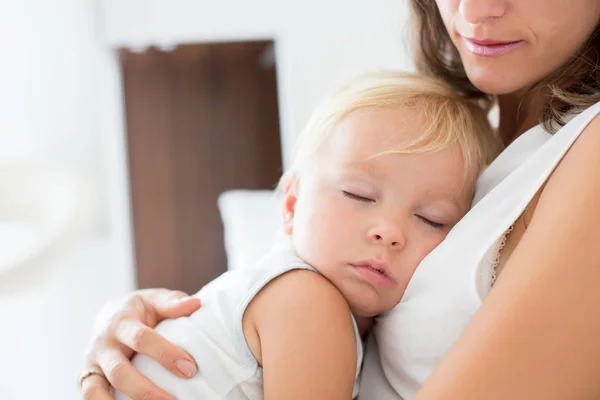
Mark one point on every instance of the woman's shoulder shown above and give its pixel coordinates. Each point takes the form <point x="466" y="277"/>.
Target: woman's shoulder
<point x="558" y="190"/>
<point x="537" y="146"/>
<point x="579" y="170"/>
<point x="581" y="160"/>
<point x="563" y="211"/>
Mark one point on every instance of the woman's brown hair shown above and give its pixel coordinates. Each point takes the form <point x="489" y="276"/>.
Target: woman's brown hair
<point x="575" y="85"/>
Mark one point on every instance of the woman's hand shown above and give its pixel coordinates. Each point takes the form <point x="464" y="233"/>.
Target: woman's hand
<point x="123" y="327"/>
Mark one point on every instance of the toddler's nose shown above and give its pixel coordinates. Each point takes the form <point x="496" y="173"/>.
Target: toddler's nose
<point x="388" y="235"/>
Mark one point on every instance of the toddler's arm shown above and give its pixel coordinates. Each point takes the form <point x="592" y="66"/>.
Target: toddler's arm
<point x="300" y="329"/>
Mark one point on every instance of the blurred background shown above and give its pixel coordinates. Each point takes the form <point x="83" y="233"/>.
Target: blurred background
<point x="121" y="124"/>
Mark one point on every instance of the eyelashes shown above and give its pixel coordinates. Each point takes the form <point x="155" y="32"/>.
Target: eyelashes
<point x="356" y="197"/>
<point x="433" y="224"/>
<point x="363" y="199"/>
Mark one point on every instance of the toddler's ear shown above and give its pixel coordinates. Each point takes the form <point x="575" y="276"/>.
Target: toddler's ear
<point x="290" y="196"/>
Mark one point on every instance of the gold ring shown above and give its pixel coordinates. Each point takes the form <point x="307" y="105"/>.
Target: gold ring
<point x="87" y="373"/>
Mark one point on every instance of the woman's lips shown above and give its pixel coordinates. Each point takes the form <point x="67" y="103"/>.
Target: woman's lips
<point x="490" y="48"/>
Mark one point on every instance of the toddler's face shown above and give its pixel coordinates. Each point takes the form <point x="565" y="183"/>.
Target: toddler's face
<point x="366" y="222"/>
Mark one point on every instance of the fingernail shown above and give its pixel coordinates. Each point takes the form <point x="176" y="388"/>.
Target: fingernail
<point x="182" y="299"/>
<point x="186" y="367"/>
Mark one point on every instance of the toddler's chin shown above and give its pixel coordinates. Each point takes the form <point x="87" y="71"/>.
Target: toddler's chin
<point x="366" y="310"/>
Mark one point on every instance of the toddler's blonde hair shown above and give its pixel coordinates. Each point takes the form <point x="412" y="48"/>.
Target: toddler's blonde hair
<point x="449" y="119"/>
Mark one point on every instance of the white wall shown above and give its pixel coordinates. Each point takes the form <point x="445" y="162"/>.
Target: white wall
<point x="318" y="43"/>
<point x="60" y="103"/>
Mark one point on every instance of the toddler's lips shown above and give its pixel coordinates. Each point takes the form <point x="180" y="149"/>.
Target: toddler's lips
<point x="375" y="272"/>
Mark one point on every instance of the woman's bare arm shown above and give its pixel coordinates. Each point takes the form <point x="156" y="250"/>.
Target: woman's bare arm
<point x="306" y="343"/>
<point x="537" y="335"/>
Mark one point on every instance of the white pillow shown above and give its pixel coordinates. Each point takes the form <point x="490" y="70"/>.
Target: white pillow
<point x="252" y="219"/>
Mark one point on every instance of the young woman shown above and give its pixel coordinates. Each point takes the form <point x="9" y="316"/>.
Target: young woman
<point x="520" y="319"/>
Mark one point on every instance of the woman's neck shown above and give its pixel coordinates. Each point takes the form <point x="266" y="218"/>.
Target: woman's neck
<point x="519" y="112"/>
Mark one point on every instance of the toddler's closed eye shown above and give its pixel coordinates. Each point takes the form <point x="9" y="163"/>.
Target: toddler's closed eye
<point x="357" y="197"/>
<point x="433" y="224"/>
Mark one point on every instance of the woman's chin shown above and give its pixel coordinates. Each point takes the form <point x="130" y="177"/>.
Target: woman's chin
<point x="493" y="82"/>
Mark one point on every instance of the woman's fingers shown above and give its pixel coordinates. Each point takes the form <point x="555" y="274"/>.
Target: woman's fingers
<point x="145" y="340"/>
<point x="126" y="325"/>
<point x="170" y="304"/>
<point x="95" y="387"/>
<point x="123" y="376"/>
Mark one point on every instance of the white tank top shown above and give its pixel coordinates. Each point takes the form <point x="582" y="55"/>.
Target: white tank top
<point x="450" y="284"/>
<point x="213" y="335"/>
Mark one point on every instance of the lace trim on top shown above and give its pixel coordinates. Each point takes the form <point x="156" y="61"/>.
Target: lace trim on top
<point x="497" y="257"/>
